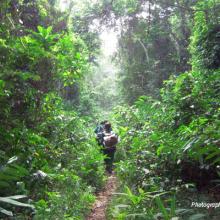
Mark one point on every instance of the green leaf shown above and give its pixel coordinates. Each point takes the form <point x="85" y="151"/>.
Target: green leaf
<point x="40" y="29"/>
<point x="189" y="144"/>
<point x="12" y="159"/>
<point x="6" y="212"/>
<point x="14" y="202"/>
<point x="16" y="197"/>
<point x="173" y="206"/>
<point x="21" y="170"/>
<point x="162" y="208"/>
<point x="49" y="29"/>
<point x="78" y="56"/>
<point x="2" y="84"/>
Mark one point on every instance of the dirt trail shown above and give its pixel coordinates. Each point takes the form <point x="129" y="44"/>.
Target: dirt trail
<point x="99" y="207"/>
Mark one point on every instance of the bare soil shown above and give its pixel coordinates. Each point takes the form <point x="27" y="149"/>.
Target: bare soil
<point x="98" y="211"/>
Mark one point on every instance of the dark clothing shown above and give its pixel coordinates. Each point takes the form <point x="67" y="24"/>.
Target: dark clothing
<point x="100" y="138"/>
<point x="99" y="129"/>
<point x="99" y="134"/>
<point x="109" y="153"/>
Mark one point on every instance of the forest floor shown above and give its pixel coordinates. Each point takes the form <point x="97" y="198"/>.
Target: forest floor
<point x="98" y="211"/>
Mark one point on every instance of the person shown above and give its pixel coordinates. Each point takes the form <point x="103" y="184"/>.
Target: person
<point x="99" y="132"/>
<point x="100" y="127"/>
<point x="109" y="141"/>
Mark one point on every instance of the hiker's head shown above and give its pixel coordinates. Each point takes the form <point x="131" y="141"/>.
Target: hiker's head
<point x="103" y="122"/>
<point x="107" y="126"/>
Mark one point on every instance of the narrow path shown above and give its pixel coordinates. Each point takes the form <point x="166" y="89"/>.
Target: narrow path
<point x="99" y="207"/>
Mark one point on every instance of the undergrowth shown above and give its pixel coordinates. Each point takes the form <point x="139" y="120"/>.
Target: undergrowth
<point x="168" y="156"/>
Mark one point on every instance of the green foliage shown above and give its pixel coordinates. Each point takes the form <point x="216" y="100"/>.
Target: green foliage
<point x="205" y="40"/>
<point x="10" y="173"/>
<point x="182" y="127"/>
<point x="59" y="165"/>
<point x="172" y="141"/>
<point x="76" y="196"/>
<point x="169" y="146"/>
<point x="158" y="35"/>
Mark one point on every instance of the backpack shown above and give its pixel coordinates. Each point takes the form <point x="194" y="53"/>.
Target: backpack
<point x="110" y="140"/>
<point x="99" y="138"/>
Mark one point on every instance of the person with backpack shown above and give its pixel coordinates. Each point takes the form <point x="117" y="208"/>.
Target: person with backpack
<point x="99" y="132"/>
<point x="110" y="139"/>
<point x="100" y="127"/>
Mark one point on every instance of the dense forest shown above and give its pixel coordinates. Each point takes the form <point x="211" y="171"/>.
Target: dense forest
<point x="159" y="87"/>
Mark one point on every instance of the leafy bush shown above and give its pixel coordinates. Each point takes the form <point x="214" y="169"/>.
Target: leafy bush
<point x="169" y="143"/>
<point x="36" y="68"/>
